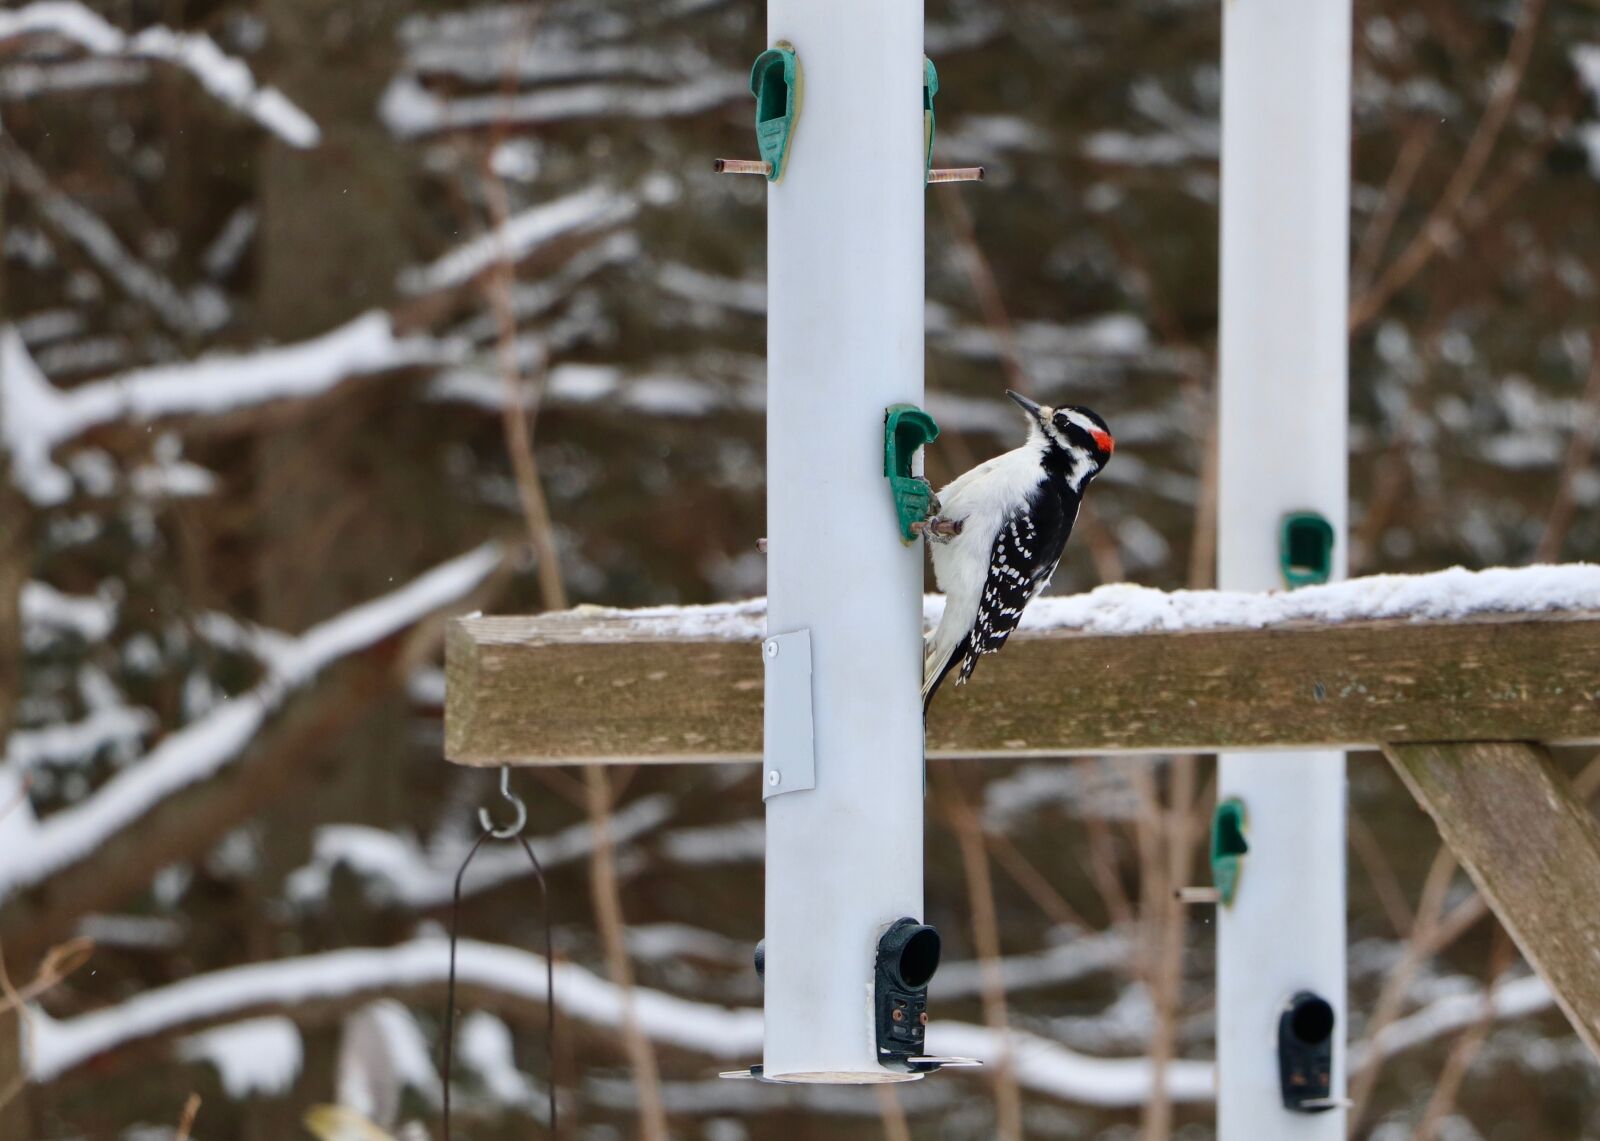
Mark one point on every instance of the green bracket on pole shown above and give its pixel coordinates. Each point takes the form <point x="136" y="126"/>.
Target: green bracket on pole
<point x="905" y="429"/>
<point x="930" y="88"/>
<point x="1305" y="549"/>
<point x="777" y="84"/>
<point x="1228" y="847"/>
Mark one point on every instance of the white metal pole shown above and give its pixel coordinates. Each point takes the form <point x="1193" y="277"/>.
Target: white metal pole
<point x="1285" y="250"/>
<point x="844" y="341"/>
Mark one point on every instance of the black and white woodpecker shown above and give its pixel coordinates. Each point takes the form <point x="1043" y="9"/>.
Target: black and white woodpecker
<point x="999" y="533"/>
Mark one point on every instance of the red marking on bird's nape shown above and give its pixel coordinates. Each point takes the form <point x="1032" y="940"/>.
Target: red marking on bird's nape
<point x="1105" y="442"/>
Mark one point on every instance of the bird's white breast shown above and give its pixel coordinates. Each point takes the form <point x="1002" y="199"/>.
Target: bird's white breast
<point x="981" y="499"/>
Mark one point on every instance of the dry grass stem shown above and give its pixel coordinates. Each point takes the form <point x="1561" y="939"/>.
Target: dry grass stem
<point x="986" y="936"/>
<point x="1381" y="874"/>
<point x="895" y="1125"/>
<point x="191" y="1109"/>
<point x="608" y="916"/>
<point x="1391" y="999"/>
<point x="1375" y="238"/>
<point x="1034" y="883"/>
<point x="1579" y="451"/>
<point x="1440" y="229"/>
<point x="1467" y="1047"/>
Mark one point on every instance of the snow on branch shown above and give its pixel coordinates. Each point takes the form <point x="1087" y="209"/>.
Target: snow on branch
<point x="520" y="236"/>
<point x="202" y="309"/>
<point x="46" y="609"/>
<point x="229" y="80"/>
<point x="32" y="850"/>
<point x="410" y="110"/>
<point x="1515" y="999"/>
<point x="1123" y="608"/>
<point x="733" y="1034"/>
<point x="1586" y="61"/>
<point x="36" y="417"/>
<point x="399" y="871"/>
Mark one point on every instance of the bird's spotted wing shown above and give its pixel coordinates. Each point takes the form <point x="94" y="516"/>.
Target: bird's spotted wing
<point x="1016" y="573"/>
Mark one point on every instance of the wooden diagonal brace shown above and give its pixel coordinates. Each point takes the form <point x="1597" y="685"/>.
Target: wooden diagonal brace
<point x="1532" y="847"/>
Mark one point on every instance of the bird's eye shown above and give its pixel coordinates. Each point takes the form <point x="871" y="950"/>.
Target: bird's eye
<point x="1062" y="421"/>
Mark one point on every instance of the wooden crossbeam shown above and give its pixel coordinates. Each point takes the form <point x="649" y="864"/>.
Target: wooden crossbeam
<point x="1532" y="847"/>
<point x="600" y="688"/>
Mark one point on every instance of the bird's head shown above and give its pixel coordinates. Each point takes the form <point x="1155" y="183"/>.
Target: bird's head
<point x="1074" y="433"/>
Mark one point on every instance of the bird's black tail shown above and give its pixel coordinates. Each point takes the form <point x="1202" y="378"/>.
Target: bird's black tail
<point x="936" y="672"/>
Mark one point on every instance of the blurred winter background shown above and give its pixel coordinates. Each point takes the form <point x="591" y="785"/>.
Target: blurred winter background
<point x="321" y="321"/>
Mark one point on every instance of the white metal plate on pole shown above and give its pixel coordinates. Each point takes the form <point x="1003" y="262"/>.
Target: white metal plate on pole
<point x="1283" y="418"/>
<point x="844" y="341"/>
<point x="786" y="728"/>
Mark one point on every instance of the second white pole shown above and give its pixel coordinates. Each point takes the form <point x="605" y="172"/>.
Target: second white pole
<point x="1284" y="411"/>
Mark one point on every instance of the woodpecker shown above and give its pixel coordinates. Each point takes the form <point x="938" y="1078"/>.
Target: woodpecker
<point x="999" y="532"/>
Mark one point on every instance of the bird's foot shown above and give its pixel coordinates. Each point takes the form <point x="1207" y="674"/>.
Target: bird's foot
<point x="937" y="527"/>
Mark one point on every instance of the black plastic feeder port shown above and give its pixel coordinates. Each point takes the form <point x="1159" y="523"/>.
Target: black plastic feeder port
<point x="1305" y="1053"/>
<point x="908" y="955"/>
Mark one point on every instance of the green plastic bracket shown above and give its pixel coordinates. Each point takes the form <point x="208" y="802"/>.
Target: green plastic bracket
<point x="1228" y="847"/>
<point x="777" y="84"/>
<point x="930" y="88"/>
<point x="905" y="429"/>
<point x="1305" y="548"/>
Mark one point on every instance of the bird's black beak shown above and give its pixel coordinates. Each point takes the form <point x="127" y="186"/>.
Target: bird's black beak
<point x="1031" y="407"/>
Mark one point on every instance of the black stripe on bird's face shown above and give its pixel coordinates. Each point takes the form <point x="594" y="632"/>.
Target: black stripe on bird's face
<point x="1080" y="432"/>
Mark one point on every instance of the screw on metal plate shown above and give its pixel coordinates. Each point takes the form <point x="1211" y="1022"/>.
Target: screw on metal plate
<point x="789" y="745"/>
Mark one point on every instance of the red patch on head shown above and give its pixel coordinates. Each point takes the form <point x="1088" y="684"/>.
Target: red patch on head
<point x="1104" y="442"/>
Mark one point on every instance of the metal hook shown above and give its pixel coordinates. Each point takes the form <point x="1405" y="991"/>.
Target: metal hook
<point x="518" y="823"/>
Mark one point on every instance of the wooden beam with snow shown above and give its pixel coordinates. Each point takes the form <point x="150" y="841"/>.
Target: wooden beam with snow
<point x="1532" y="847"/>
<point x="609" y="687"/>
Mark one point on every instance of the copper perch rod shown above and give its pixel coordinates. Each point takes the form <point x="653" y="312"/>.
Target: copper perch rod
<point x="757" y="166"/>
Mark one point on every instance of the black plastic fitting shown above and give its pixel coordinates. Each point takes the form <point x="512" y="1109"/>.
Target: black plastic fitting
<point x="1305" y="1053"/>
<point x="908" y="956"/>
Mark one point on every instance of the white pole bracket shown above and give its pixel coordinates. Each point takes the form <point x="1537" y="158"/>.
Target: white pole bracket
<point x="791" y="755"/>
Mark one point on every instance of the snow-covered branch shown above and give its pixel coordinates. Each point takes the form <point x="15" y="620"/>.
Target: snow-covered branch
<point x="313" y="987"/>
<point x="508" y="977"/>
<point x="36" y="417"/>
<point x="229" y="80"/>
<point x="1515" y="999"/>
<point x="398" y="870"/>
<point x="521" y="235"/>
<point x="410" y="110"/>
<point x="31" y="850"/>
<point x="202" y="309"/>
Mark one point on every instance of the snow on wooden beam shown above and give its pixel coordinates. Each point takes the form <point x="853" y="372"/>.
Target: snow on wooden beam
<point x="1532" y="847"/>
<point x="1491" y="656"/>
